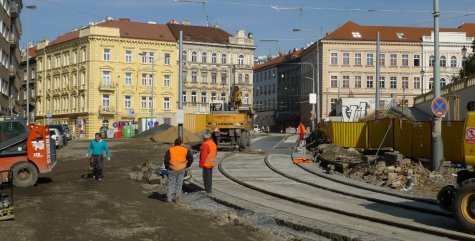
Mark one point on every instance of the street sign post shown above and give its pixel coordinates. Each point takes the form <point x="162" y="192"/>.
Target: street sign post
<point x="440" y="106"/>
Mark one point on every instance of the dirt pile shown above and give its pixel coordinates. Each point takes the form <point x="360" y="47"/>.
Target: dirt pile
<point x="149" y="172"/>
<point x="169" y="136"/>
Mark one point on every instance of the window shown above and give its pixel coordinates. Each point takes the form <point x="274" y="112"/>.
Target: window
<point x="107" y="54"/>
<point x="106" y="78"/>
<point x="453" y="61"/>
<point x="393" y="82"/>
<point x="151" y="102"/>
<point x="214" y="58"/>
<point x="417" y="83"/>
<point x="431" y="83"/>
<point x="194" y="76"/>
<point x="334" y="81"/>
<point x="166" y="80"/>
<point x="166" y="103"/>
<point x="223" y="96"/>
<point x="223" y="59"/>
<point x="151" y="79"/>
<point x="346" y="81"/>
<point x="204" y="57"/>
<point x="443" y="61"/>
<point x="128" y="56"/>
<point x="214" y="78"/>
<point x="405" y="83"/>
<point x="405" y="60"/>
<point x="369" y="59"/>
<point x="193" y="96"/>
<point x="184" y="56"/>
<point x="382" y="59"/>
<point x="204" y="77"/>
<point x="143" y="102"/>
<point x="443" y="82"/>
<point x="417" y="60"/>
<point x="144" y="57"/>
<point x="128" y="78"/>
<point x="166" y="59"/>
<point x="246" y="79"/>
<point x="127" y="101"/>
<point x="369" y="82"/>
<point x="223" y="78"/>
<point x="184" y="74"/>
<point x="357" y="58"/>
<point x="184" y="96"/>
<point x="346" y="58"/>
<point x="393" y="59"/>
<point x="144" y="79"/>
<point x="193" y="56"/>
<point x="213" y="96"/>
<point x="333" y="102"/>
<point x="357" y="82"/>
<point x="204" y="97"/>
<point x="240" y="78"/>
<point x="151" y="57"/>
<point x="241" y="59"/>
<point x="84" y="55"/>
<point x="106" y="102"/>
<point x="431" y="60"/>
<point x="334" y="58"/>
<point x="382" y="82"/>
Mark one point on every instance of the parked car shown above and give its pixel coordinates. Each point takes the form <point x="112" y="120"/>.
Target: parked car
<point x="61" y="131"/>
<point x="57" y="137"/>
<point x="256" y="129"/>
<point x="67" y="132"/>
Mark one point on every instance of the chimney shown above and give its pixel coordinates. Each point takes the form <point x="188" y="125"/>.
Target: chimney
<point x="124" y="20"/>
<point x="152" y="22"/>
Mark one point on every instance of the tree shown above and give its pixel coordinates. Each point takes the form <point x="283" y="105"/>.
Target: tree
<point x="468" y="66"/>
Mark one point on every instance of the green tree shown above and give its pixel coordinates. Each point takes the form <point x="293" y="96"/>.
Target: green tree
<point x="468" y="66"/>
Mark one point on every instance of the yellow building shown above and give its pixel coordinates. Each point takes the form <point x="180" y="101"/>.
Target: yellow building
<point x="103" y="74"/>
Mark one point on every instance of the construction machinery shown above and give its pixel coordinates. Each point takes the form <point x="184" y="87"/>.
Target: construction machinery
<point x="230" y="124"/>
<point x="460" y="200"/>
<point x="25" y="150"/>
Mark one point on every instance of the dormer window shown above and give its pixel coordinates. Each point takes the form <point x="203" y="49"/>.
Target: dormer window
<point x="401" y="35"/>
<point x="356" y="34"/>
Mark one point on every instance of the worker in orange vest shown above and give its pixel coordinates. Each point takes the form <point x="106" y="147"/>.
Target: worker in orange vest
<point x="208" y="160"/>
<point x="176" y="160"/>
<point x="301" y="131"/>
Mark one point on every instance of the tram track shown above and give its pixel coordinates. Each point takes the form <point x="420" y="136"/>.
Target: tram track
<point x="427" y="210"/>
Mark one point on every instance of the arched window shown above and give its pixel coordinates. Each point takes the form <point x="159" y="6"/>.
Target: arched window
<point x="443" y="61"/>
<point x="204" y="57"/>
<point x="214" y="57"/>
<point x="453" y="61"/>
<point x="431" y="60"/>
<point x="184" y="55"/>
<point x="241" y="59"/>
<point x="224" y="58"/>
<point x="431" y="83"/>
<point x="193" y="56"/>
<point x="240" y="78"/>
<point x="246" y="79"/>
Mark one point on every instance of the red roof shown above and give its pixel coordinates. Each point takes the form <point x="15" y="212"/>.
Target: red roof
<point x="354" y="31"/>
<point x="200" y="33"/>
<point x="32" y="52"/>
<point x="278" y="60"/>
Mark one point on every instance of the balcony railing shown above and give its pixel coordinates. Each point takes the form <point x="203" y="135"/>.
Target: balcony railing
<point x="13" y="40"/>
<point x="12" y="71"/>
<point x="13" y="10"/>
<point x="107" y="86"/>
<point x="106" y="110"/>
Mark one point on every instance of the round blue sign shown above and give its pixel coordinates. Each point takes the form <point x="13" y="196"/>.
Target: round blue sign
<point x="150" y="123"/>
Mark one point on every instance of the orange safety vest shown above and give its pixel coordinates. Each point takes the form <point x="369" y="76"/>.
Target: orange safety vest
<point x="178" y="158"/>
<point x="301" y="129"/>
<point x="210" y="160"/>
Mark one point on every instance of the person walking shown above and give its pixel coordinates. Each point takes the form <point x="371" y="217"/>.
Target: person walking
<point x="176" y="160"/>
<point x="208" y="160"/>
<point x="97" y="147"/>
<point x="301" y="131"/>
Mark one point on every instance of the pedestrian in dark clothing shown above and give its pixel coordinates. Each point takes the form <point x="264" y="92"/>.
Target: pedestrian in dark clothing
<point x="208" y="155"/>
<point x="176" y="160"/>
<point x="98" y="146"/>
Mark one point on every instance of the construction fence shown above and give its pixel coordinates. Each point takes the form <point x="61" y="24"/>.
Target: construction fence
<point x="412" y="139"/>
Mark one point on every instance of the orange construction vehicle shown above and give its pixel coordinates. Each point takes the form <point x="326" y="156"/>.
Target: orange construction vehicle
<point x="25" y="150"/>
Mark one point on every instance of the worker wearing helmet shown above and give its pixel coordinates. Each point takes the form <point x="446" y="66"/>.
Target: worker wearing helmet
<point x="208" y="160"/>
<point x="176" y="160"/>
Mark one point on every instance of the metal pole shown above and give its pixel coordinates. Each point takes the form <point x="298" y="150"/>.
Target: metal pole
<point x="318" y="84"/>
<point x="313" y="90"/>
<point x="27" y="66"/>
<point x="153" y="99"/>
<point x="437" y="146"/>
<point x="378" y="74"/>
<point x="180" y="114"/>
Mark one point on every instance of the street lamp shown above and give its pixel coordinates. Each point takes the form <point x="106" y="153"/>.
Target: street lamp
<point x="422" y="79"/>
<point x="464" y="58"/>
<point x="29" y="7"/>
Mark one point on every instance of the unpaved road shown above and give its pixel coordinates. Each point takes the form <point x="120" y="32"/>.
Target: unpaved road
<point x="62" y="206"/>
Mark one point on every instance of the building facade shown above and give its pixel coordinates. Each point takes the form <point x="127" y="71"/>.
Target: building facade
<point x="347" y="62"/>
<point x="213" y="62"/>
<point x="10" y="83"/>
<point x="109" y="72"/>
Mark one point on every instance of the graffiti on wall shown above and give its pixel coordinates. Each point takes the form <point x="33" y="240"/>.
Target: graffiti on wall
<point x="352" y="113"/>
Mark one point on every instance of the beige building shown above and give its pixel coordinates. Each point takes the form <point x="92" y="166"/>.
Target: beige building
<point x="10" y="32"/>
<point x="347" y="62"/>
<point x="103" y="74"/>
<point x="214" y="60"/>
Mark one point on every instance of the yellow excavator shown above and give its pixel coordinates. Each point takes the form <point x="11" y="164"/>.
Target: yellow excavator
<point x="230" y="123"/>
<point x="460" y="200"/>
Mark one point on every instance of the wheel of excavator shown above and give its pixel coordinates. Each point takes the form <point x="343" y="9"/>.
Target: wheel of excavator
<point x="464" y="206"/>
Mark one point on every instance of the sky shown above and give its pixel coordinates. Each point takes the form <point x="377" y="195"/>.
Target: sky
<point x="271" y="22"/>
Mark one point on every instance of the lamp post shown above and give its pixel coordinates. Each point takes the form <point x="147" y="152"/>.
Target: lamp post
<point x="422" y="80"/>
<point x="464" y="58"/>
<point x="29" y="7"/>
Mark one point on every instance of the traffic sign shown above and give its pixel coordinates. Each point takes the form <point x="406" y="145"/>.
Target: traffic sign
<point x="470" y="135"/>
<point x="439" y="107"/>
<point x="150" y="123"/>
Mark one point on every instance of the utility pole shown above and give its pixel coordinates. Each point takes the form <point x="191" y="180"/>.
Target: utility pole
<point x="180" y="114"/>
<point x="437" y="145"/>
<point x="377" y="112"/>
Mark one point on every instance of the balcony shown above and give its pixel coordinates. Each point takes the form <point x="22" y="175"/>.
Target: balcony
<point x="13" y="10"/>
<point x="107" y="86"/>
<point x="13" y="40"/>
<point x="12" y="71"/>
<point x="106" y="110"/>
